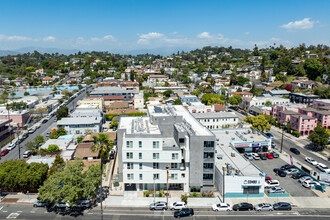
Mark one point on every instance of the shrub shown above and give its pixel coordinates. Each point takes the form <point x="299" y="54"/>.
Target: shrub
<point x="296" y="133"/>
<point x="184" y="198"/>
<point x="146" y="194"/>
<point x="52" y="148"/>
<point x="195" y="194"/>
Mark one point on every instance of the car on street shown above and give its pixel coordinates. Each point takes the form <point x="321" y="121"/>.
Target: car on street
<point x="248" y="156"/>
<point x="267" y="178"/>
<point x="280" y="172"/>
<point x="183" y="213"/>
<point x="302" y="179"/>
<point x="295" y="150"/>
<point x="264" y="207"/>
<point x="270" y="135"/>
<point x="112" y="155"/>
<point x="276" y="189"/>
<point x="291" y="171"/>
<point x="40" y="203"/>
<point x="84" y="204"/>
<point x="275" y="155"/>
<point x="298" y="175"/>
<point x="47" y="134"/>
<point x="158" y="206"/>
<point x="271" y="183"/>
<point x="219" y="156"/>
<point x="273" y="145"/>
<point x="287" y="166"/>
<point x="282" y="206"/>
<point x="244" y="206"/>
<point x="4" y="152"/>
<point x="27" y="153"/>
<point x="311" y="161"/>
<point x="177" y="206"/>
<point x="269" y="155"/>
<point x="255" y="156"/>
<point x="262" y="156"/>
<point x="323" y="167"/>
<point x="25" y="135"/>
<point x="12" y="146"/>
<point x="221" y="207"/>
<point x="32" y="130"/>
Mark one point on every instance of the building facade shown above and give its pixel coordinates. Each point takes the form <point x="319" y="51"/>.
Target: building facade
<point x="216" y="120"/>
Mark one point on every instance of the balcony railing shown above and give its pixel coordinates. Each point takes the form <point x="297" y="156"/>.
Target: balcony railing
<point x="207" y="181"/>
<point x="208" y="159"/>
<point x="208" y="170"/>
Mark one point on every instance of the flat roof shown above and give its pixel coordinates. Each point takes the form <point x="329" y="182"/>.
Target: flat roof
<point x="215" y="115"/>
<point x="138" y="125"/>
<point x="112" y="90"/>
<point x="61" y="143"/>
<point x="305" y="95"/>
<point x="79" y="121"/>
<point x="40" y="159"/>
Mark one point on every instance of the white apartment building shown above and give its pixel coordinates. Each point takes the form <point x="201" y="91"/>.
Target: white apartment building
<point x="168" y="137"/>
<point x="261" y="101"/>
<point x="217" y="120"/>
<point x="80" y="125"/>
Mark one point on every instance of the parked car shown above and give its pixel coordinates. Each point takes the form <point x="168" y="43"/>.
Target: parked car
<point x="276" y="189"/>
<point x="4" y="152"/>
<point x="323" y="167"/>
<point x="112" y="155"/>
<point x="282" y="206"/>
<point x="243" y="207"/>
<point x="61" y="205"/>
<point x="270" y="135"/>
<point x="291" y="171"/>
<point x="309" y="183"/>
<point x="302" y="179"/>
<point x="158" y="206"/>
<point x="275" y="155"/>
<point x="272" y="183"/>
<point x="273" y="145"/>
<point x="47" y="134"/>
<point x="25" y="135"/>
<point x="298" y="175"/>
<point x="32" y="130"/>
<point x="248" y="156"/>
<point x="27" y="153"/>
<point x="287" y="166"/>
<point x="12" y="146"/>
<point x="255" y="156"/>
<point x="262" y="156"/>
<point x="311" y="161"/>
<point x="40" y="203"/>
<point x="219" y="156"/>
<point x="267" y="178"/>
<point x="279" y="172"/>
<point x="221" y="207"/>
<point x="177" y="205"/>
<point x="84" y="204"/>
<point x="269" y="155"/>
<point x="295" y="150"/>
<point x="183" y="213"/>
<point x="264" y="207"/>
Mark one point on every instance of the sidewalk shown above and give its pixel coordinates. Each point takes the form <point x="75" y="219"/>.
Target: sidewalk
<point x="22" y="198"/>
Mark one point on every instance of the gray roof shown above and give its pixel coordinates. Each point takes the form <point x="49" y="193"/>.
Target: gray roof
<point x="112" y="90"/>
<point x="79" y="121"/>
<point x="304" y="95"/>
<point x="279" y="92"/>
<point x="215" y="115"/>
<point x="39" y="159"/>
<point x="303" y="116"/>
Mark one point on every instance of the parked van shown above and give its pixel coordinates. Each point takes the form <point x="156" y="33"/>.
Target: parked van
<point x="271" y="183"/>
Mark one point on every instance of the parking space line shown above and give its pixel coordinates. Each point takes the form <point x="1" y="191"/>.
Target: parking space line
<point x="1" y="208"/>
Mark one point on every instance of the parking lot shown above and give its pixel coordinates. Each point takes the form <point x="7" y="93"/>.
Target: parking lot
<point x="290" y="185"/>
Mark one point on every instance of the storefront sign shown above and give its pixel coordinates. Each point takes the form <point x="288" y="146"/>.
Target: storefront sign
<point x="251" y="182"/>
<point x="242" y="145"/>
<point x="255" y="145"/>
<point x="325" y="177"/>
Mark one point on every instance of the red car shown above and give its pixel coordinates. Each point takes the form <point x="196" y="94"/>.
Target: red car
<point x="4" y="152"/>
<point x="267" y="178"/>
<point x="269" y="155"/>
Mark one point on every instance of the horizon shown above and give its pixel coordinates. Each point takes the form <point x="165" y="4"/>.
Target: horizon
<point x="134" y="27"/>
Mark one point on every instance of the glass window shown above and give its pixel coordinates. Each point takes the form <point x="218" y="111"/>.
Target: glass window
<point x="130" y="176"/>
<point x="208" y="143"/>
<point x="174" y="165"/>
<point x="140" y="144"/>
<point x="141" y="176"/>
<point x="129" y="155"/>
<point x="155" y="155"/>
<point x="251" y="190"/>
<point x="156" y="176"/>
<point x="140" y="155"/>
<point x="129" y="144"/>
<point x="140" y="166"/>
<point x="155" y="144"/>
<point x="174" y="176"/>
<point x="175" y="156"/>
<point x="155" y="165"/>
<point x="130" y="166"/>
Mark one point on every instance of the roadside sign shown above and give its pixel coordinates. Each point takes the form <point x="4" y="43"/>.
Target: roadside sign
<point x="291" y="159"/>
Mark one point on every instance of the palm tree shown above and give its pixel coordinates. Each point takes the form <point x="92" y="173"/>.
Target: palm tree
<point x="103" y="145"/>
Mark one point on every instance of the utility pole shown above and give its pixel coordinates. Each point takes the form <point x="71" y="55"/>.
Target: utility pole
<point x="284" y="124"/>
<point x="154" y="190"/>
<point x="19" y="147"/>
<point x="167" y="173"/>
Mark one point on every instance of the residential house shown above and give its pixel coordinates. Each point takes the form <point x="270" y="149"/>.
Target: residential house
<point x="188" y="99"/>
<point x="47" y="80"/>
<point x="296" y="97"/>
<point x="157" y="78"/>
<point x="243" y="94"/>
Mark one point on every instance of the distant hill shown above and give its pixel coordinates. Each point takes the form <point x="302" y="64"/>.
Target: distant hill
<point x="8" y="52"/>
<point x="39" y="49"/>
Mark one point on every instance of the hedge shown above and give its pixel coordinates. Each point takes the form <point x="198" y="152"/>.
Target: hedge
<point x="296" y="133"/>
<point x="134" y="114"/>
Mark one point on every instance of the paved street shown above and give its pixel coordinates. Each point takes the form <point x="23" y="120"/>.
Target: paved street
<point x="44" y="128"/>
<point x="21" y="211"/>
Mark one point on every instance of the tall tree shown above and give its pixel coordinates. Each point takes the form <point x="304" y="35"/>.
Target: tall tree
<point x="313" y="68"/>
<point x="258" y="122"/>
<point x="319" y="137"/>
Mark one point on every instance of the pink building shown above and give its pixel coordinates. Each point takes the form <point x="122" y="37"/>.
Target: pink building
<point x="17" y="117"/>
<point x="303" y="124"/>
<point x="322" y="115"/>
<point x="292" y="107"/>
<point x="285" y="116"/>
<point x="318" y="103"/>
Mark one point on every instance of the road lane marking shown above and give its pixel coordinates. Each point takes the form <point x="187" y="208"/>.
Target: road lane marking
<point x="13" y="215"/>
<point x="1" y="208"/>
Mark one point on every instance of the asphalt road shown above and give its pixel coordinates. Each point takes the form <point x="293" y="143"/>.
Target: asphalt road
<point x="24" y="211"/>
<point x="44" y="128"/>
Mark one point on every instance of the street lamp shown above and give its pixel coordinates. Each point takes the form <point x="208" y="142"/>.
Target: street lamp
<point x="154" y="189"/>
<point x="167" y="173"/>
<point x="284" y="124"/>
<point x="223" y="182"/>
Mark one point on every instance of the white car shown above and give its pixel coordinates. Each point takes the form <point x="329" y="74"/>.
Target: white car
<point x="221" y="207"/>
<point x="323" y="167"/>
<point x="311" y="161"/>
<point x="255" y="156"/>
<point x="304" y="178"/>
<point x="309" y="183"/>
<point x="271" y="183"/>
<point x="292" y="171"/>
<point x="177" y="206"/>
<point x="12" y="146"/>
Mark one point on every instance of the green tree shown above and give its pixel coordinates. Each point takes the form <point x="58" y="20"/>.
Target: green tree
<point x="80" y="139"/>
<point x="233" y="79"/>
<point x="264" y="77"/>
<point x="211" y="98"/>
<point x="196" y="92"/>
<point x="39" y="140"/>
<point x="52" y="148"/>
<point x="59" y="132"/>
<point x="268" y="103"/>
<point x="255" y="51"/>
<point x="26" y="93"/>
<point x="167" y="93"/>
<point x="62" y="112"/>
<point x="71" y="184"/>
<point x="177" y="102"/>
<point x="242" y="80"/>
<point x="313" y="68"/>
<point x="114" y="123"/>
<point x="58" y="165"/>
<point x="30" y="146"/>
<point x="103" y="146"/>
<point x="258" y="122"/>
<point x="132" y="75"/>
<point x="235" y="99"/>
<point x="319" y="137"/>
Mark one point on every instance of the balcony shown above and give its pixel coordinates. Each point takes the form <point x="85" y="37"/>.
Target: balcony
<point x="208" y="182"/>
<point x="171" y="148"/>
<point x="208" y="170"/>
<point x="208" y="149"/>
<point x="208" y="159"/>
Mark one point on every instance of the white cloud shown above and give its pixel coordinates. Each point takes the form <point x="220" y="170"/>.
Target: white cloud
<point x="247" y="33"/>
<point x="105" y="38"/>
<point x="49" y="39"/>
<point x="204" y="35"/>
<point x="17" y="38"/>
<point x="305" y="23"/>
<point x="151" y="35"/>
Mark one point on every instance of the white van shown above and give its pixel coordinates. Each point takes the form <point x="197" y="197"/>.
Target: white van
<point x="271" y="183"/>
<point x="27" y="153"/>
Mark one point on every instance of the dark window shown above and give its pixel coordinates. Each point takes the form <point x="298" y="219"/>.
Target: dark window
<point x="209" y="177"/>
<point x="251" y="190"/>
<point x="208" y="143"/>
<point x="181" y="140"/>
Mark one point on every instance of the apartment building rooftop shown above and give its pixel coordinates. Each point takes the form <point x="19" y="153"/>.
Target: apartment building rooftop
<point x="138" y="125"/>
<point x="215" y="115"/>
<point x="79" y="121"/>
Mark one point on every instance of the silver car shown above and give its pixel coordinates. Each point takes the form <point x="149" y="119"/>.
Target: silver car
<point x="291" y="171"/>
<point x="158" y="206"/>
<point x="264" y="207"/>
<point x="276" y="189"/>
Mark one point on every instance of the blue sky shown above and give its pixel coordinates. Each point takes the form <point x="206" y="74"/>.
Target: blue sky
<point x="161" y="26"/>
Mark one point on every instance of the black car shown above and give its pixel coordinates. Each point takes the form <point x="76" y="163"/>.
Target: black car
<point x="295" y="150"/>
<point x="282" y="206"/>
<point x="279" y="172"/>
<point x="286" y="167"/>
<point x="183" y="212"/>
<point x="243" y="207"/>
<point x="275" y="155"/>
<point x="262" y="156"/>
<point x="112" y="156"/>
<point x="25" y="136"/>
<point x="298" y="175"/>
